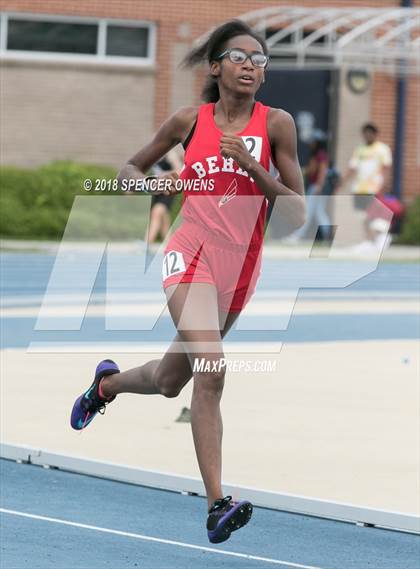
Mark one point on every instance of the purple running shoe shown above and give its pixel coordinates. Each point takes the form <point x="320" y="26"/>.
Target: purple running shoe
<point x="226" y="516"/>
<point x="90" y="403"/>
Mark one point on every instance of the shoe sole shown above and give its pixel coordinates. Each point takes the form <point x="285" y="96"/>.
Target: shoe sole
<point x="236" y="518"/>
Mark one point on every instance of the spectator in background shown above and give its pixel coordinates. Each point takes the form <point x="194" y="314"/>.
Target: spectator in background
<point x="315" y="173"/>
<point x="160" y="212"/>
<point x="370" y="171"/>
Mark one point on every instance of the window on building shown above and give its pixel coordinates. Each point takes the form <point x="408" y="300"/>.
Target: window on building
<point x="61" y="35"/>
<point x="57" y="37"/>
<point x="127" y="41"/>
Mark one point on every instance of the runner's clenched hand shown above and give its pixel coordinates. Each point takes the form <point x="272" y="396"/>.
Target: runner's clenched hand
<point x="232" y="146"/>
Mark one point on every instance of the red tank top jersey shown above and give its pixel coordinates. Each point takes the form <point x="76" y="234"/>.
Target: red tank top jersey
<point x="227" y="202"/>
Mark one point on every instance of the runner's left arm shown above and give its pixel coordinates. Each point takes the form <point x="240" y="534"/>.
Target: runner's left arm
<point x="282" y="134"/>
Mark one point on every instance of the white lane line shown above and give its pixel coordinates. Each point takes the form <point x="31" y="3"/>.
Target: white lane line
<point x="282" y="308"/>
<point x="158" y="540"/>
<point x="143" y="347"/>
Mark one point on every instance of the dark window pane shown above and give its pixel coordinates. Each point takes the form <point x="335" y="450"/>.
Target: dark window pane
<point x="52" y="36"/>
<point x="127" y="41"/>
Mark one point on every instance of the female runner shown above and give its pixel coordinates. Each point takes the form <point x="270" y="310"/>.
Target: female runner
<point x="212" y="262"/>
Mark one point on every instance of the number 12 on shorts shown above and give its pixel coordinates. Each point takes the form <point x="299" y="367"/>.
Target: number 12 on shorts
<point x="173" y="263"/>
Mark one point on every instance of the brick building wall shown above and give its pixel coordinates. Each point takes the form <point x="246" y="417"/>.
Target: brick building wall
<point x="56" y="112"/>
<point x="383" y="107"/>
<point x="178" y="23"/>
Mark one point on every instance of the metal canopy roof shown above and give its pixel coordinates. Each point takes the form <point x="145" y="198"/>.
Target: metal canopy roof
<point x="380" y="38"/>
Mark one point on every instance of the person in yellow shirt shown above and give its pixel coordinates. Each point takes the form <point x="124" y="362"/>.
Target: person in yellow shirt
<point x="369" y="171"/>
<point x="369" y="167"/>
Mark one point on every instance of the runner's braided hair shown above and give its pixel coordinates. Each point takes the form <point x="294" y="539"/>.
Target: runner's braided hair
<point x="212" y="47"/>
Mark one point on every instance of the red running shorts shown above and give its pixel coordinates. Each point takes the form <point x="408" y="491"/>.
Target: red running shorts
<point x="194" y="254"/>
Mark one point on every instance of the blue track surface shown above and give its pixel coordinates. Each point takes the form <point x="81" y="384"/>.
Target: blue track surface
<point x="18" y="333"/>
<point x="26" y="276"/>
<point x="28" y="273"/>
<point x="35" y="543"/>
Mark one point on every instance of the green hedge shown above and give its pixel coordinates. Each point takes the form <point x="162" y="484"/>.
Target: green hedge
<point x="36" y="204"/>
<point x="410" y="233"/>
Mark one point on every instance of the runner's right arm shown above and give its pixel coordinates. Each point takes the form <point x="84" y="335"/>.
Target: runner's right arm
<point x="173" y="131"/>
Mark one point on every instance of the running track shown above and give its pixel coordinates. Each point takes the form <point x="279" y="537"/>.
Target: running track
<point x="56" y="519"/>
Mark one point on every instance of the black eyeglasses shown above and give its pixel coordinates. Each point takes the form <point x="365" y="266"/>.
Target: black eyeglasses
<point x="237" y="55"/>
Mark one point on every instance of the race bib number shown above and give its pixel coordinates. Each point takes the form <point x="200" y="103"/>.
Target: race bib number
<point x="173" y="263"/>
<point x="254" y="146"/>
